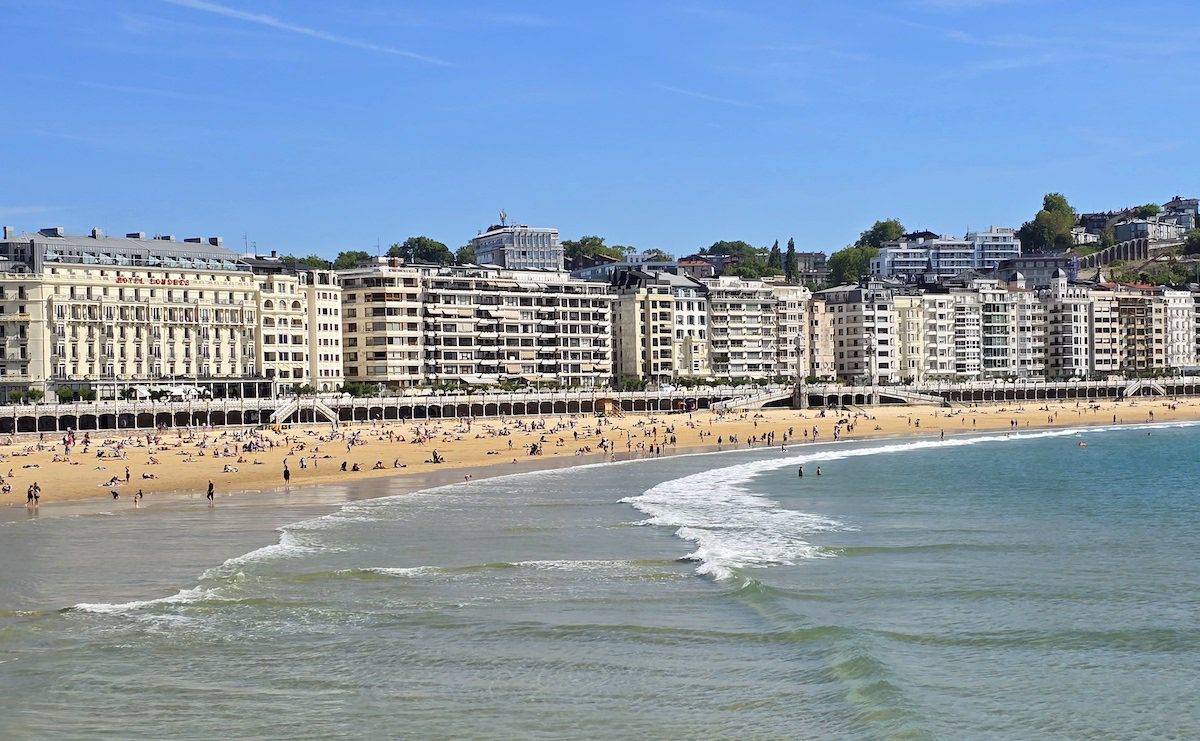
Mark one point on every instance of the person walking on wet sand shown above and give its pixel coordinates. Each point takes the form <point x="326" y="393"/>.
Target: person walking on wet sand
<point x="287" y="474"/>
<point x="210" y="493"/>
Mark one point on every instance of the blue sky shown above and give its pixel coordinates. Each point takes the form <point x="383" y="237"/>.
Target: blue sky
<point x="314" y="126"/>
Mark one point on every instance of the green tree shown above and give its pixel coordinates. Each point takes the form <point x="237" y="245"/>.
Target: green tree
<point x="422" y="250"/>
<point x="312" y="261"/>
<point x="789" y="261"/>
<point x="888" y="230"/>
<point x="1050" y="229"/>
<point x="737" y="248"/>
<point x="1147" y="211"/>
<point x="658" y="255"/>
<point x="850" y="264"/>
<point x="465" y="255"/>
<point x="591" y="246"/>
<point x="1108" y="237"/>
<point x="1191" y="242"/>
<point x="775" y="259"/>
<point x="349" y="259"/>
<point x="64" y="394"/>
<point x="35" y="395"/>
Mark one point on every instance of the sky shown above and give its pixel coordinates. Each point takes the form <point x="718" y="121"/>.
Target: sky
<point x="308" y="126"/>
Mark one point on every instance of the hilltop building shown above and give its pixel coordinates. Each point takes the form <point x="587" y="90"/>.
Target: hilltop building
<point x="518" y="247"/>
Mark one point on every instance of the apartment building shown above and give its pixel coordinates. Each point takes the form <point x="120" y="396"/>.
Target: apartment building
<point x="821" y="359"/>
<point x="863" y="324"/>
<point x="792" y="356"/>
<point x="1069" y="328"/>
<point x="410" y="325"/>
<point x="742" y="327"/>
<point x="931" y="257"/>
<point x="910" y="337"/>
<point x="382" y="323"/>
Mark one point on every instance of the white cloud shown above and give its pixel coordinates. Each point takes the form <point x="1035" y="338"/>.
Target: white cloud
<point x="281" y="25"/>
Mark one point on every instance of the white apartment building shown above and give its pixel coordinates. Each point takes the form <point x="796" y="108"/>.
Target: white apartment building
<point x="412" y="325"/>
<point x="742" y="327"/>
<point x="932" y="257"/>
<point x="863" y="324"/>
<point x="792" y="355"/>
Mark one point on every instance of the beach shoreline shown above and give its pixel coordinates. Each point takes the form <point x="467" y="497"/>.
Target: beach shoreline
<point x="481" y="448"/>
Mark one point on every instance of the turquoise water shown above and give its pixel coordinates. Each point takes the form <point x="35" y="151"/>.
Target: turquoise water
<point x="993" y="587"/>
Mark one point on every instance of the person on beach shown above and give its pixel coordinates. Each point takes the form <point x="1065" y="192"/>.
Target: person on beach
<point x="287" y="474"/>
<point x="818" y="470"/>
<point x="210" y="493"/>
<point x="801" y="472"/>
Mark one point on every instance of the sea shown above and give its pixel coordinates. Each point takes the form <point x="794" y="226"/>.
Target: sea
<point x="1037" y="585"/>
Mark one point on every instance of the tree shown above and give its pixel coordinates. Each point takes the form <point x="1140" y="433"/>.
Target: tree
<point x="349" y="259"/>
<point x="465" y="255"/>
<point x="880" y="232"/>
<point x="1147" y="211"/>
<point x="312" y="261"/>
<point x="87" y="393"/>
<point x="789" y="262"/>
<point x="736" y="248"/>
<point x="422" y="250"/>
<point x="775" y="260"/>
<point x="1108" y="237"/>
<point x="1191" y="242"/>
<point x="850" y="264"/>
<point x="64" y="394"/>
<point x="1050" y="229"/>
<point x="35" y="395"/>
<point x="658" y="255"/>
<point x="591" y="246"/>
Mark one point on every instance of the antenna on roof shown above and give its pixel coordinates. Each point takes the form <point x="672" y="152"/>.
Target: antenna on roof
<point x="503" y="217"/>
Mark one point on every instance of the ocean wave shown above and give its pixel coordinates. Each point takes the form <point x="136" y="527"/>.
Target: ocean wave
<point x="182" y="597"/>
<point x="733" y="527"/>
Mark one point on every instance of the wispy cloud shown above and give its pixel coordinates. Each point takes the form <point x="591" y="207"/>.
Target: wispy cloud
<point x="272" y="22"/>
<point x="705" y="96"/>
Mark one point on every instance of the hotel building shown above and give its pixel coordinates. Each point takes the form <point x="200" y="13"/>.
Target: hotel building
<point x="108" y="312"/>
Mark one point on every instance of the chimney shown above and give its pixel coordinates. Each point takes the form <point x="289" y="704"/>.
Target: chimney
<point x="215" y="241"/>
<point x="52" y="231"/>
<point x="9" y="232"/>
<point x="135" y="235"/>
<point x="97" y="232"/>
<point x="274" y="253"/>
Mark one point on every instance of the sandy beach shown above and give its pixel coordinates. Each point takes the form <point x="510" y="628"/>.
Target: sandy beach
<point x="242" y="460"/>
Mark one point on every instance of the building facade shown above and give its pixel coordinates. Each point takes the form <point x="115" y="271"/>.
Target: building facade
<point x="415" y="325"/>
<point x="108" y="313"/>
<point x="519" y="247"/>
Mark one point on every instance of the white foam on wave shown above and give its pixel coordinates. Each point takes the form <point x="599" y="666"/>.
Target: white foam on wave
<point x="578" y="565"/>
<point x="733" y="527"/>
<point x="182" y="597"/>
<point x="410" y="571"/>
